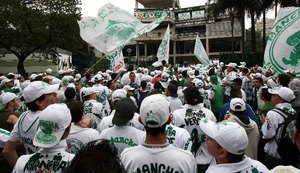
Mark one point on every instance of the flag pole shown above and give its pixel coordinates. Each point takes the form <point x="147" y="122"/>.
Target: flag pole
<point x="96" y="63"/>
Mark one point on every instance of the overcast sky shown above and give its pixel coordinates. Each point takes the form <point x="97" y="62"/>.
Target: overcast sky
<point x="90" y="7"/>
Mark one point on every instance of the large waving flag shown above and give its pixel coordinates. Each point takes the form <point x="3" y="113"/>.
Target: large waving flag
<point x="112" y="29"/>
<point x="283" y="47"/>
<point x="164" y="47"/>
<point x="200" y="53"/>
<point x="118" y="62"/>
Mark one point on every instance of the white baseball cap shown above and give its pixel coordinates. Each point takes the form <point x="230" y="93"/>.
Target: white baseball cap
<point x="36" y="89"/>
<point x="52" y="124"/>
<point x="118" y="94"/>
<point x="128" y="88"/>
<point x="291" y="71"/>
<point x="237" y="104"/>
<point x="284" y="92"/>
<point x="233" y="65"/>
<point x="7" y="97"/>
<point x="229" y="135"/>
<point x="98" y="77"/>
<point x="4" y="81"/>
<point x="49" y="71"/>
<point x="88" y="91"/>
<point x="154" y="111"/>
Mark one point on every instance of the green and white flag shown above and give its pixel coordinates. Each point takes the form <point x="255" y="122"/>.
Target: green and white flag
<point x="118" y="62"/>
<point x="283" y="47"/>
<point x="200" y="53"/>
<point x="112" y="29"/>
<point x="164" y="47"/>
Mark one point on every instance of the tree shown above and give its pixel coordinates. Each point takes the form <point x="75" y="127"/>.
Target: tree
<point x="29" y="26"/>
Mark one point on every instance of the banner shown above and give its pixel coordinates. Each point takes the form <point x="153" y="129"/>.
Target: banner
<point x="164" y="47"/>
<point x="113" y="28"/>
<point x="283" y="47"/>
<point x="118" y="63"/>
<point x="200" y="53"/>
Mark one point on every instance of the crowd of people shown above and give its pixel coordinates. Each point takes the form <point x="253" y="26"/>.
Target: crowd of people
<point x="192" y="118"/>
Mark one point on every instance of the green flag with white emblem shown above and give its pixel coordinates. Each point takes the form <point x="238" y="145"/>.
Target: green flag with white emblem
<point x="283" y="47"/>
<point x="164" y="47"/>
<point x="200" y="53"/>
<point x="112" y="29"/>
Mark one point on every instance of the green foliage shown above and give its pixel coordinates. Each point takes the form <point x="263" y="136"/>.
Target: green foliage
<point x="29" y="26"/>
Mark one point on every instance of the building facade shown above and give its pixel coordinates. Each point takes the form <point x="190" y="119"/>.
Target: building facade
<point x="185" y="24"/>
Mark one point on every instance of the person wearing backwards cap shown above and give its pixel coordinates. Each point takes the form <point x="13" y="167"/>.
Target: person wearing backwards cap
<point x="54" y="128"/>
<point x="226" y="142"/>
<point x="281" y="98"/>
<point x="237" y="113"/>
<point x="188" y="118"/>
<point x="155" y="154"/>
<point x="121" y="134"/>
<point x="37" y="95"/>
<point x="106" y="122"/>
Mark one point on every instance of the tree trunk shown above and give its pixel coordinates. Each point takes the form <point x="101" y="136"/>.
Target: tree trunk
<point x="20" y="67"/>
<point x="276" y="4"/>
<point x="253" y="37"/>
<point x="243" y="30"/>
<point x="264" y="29"/>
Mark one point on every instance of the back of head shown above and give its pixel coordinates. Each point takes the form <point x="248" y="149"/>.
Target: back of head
<point x="155" y="113"/>
<point x="192" y="95"/>
<point x="70" y="93"/>
<point x="97" y="156"/>
<point x="172" y="90"/>
<point x="76" y="108"/>
<point x="125" y="110"/>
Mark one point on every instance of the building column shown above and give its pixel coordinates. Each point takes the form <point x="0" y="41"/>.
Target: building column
<point x="137" y="53"/>
<point x="207" y="46"/>
<point x="174" y="52"/>
<point x="136" y="4"/>
<point x="145" y="54"/>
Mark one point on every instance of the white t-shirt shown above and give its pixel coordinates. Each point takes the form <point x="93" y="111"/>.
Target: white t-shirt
<point x="175" y="103"/>
<point x="189" y="117"/>
<point x="178" y="137"/>
<point x="25" y="129"/>
<point x="245" y="166"/>
<point x="79" y="136"/>
<point x="107" y="122"/>
<point x="123" y="136"/>
<point x="273" y="119"/>
<point x="93" y="110"/>
<point x="102" y="97"/>
<point x="158" y="158"/>
<point x="53" y="159"/>
<point x="4" y="136"/>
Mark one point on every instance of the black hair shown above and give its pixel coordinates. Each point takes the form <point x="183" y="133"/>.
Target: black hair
<point x="143" y="84"/>
<point x="70" y="93"/>
<point x="156" y="131"/>
<point x="235" y="158"/>
<point x="97" y="156"/>
<point x="196" y="72"/>
<point x="238" y="81"/>
<point x="235" y="92"/>
<point x="245" y="70"/>
<point x="33" y="106"/>
<point x="174" y="82"/>
<point x="192" y="95"/>
<point x="184" y="73"/>
<point x="265" y="94"/>
<point x="163" y="62"/>
<point x="284" y="80"/>
<point x="172" y="90"/>
<point x="259" y="79"/>
<point x="211" y="72"/>
<point x="108" y="83"/>
<point x="76" y="109"/>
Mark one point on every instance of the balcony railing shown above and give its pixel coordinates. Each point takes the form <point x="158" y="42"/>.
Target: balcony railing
<point x="150" y="14"/>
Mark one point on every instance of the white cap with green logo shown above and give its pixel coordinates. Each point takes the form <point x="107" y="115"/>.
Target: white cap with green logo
<point x="36" y="89"/>
<point x="53" y="122"/>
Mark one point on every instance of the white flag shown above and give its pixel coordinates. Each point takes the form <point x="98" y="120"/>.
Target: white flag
<point x="200" y="53"/>
<point x="118" y="62"/>
<point x="164" y="47"/>
<point x="112" y="29"/>
<point x="283" y="47"/>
